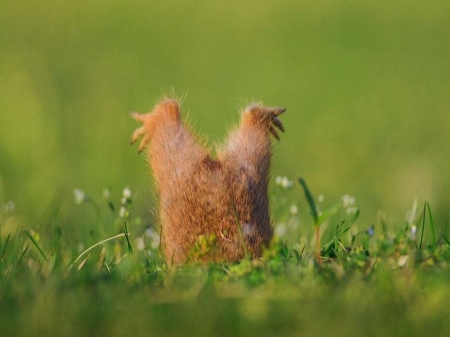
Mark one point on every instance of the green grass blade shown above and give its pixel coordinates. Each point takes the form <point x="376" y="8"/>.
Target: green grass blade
<point x="130" y="248"/>
<point x="36" y="245"/>
<point x="423" y="225"/>
<point x="2" y="255"/>
<point x="310" y="199"/>
<point x="329" y="213"/>
<point x="23" y="253"/>
<point x="445" y="239"/>
<point x="98" y="244"/>
<point x="383" y="226"/>
<point x="355" y="216"/>
<point x="430" y="217"/>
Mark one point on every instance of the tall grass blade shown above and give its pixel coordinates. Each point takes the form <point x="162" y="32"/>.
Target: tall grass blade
<point x="383" y="226"/>
<point x="423" y="225"/>
<point x="310" y="199"/>
<point x="98" y="244"/>
<point x="315" y="214"/>
<point x="430" y="218"/>
<point x="329" y="213"/>
<point x="130" y="248"/>
<point x="2" y="255"/>
<point x="36" y="245"/>
<point x="445" y="239"/>
<point x="23" y="254"/>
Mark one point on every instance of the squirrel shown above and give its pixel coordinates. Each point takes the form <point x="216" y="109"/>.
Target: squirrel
<point x="225" y="198"/>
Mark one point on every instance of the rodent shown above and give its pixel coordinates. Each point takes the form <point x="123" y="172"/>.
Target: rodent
<point x="226" y="197"/>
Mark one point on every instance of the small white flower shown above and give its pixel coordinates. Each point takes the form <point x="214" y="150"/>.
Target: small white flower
<point x="79" y="195"/>
<point x="348" y="200"/>
<point x="351" y="210"/>
<point x="123" y="201"/>
<point x="140" y="244"/>
<point x="150" y="232"/>
<point x="280" y="230"/>
<point x="126" y="193"/>
<point x="106" y="193"/>
<point x="413" y="230"/>
<point x="320" y="198"/>
<point x="154" y="244"/>
<point x="352" y="200"/>
<point x="155" y="238"/>
<point x="286" y="183"/>
<point x="123" y="212"/>
<point x="293" y="209"/>
<point x="278" y="180"/>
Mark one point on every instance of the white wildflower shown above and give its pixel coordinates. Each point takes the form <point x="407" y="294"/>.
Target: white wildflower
<point x="79" y="195"/>
<point x="351" y="210"/>
<point x="293" y="209"/>
<point x="286" y="183"/>
<point x="155" y="238"/>
<point x="126" y="193"/>
<point x="123" y="212"/>
<point x="348" y="200"/>
<point x="278" y="180"/>
<point x="139" y="243"/>
<point x="154" y="244"/>
<point x="320" y="198"/>
<point x="413" y="230"/>
<point x="123" y="201"/>
<point x="150" y="232"/>
<point x="280" y="230"/>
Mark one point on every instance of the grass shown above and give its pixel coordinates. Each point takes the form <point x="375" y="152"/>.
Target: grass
<point x="371" y="279"/>
<point x="366" y="88"/>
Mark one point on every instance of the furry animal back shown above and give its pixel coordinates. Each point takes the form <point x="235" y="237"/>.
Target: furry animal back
<point x="224" y="198"/>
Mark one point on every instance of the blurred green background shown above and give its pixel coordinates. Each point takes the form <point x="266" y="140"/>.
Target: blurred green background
<point x="366" y="85"/>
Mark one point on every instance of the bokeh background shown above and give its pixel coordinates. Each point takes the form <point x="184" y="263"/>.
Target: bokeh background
<point x="366" y="87"/>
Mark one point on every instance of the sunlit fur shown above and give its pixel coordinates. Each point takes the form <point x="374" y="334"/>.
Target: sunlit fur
<point x="199" y="195"/>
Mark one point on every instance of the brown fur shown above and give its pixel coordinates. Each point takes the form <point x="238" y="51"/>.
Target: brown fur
<point x="199" y="195"/>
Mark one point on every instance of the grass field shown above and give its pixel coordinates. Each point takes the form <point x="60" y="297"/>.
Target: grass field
<point x="366" y="90"/>
<point x="372" y="281"/>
